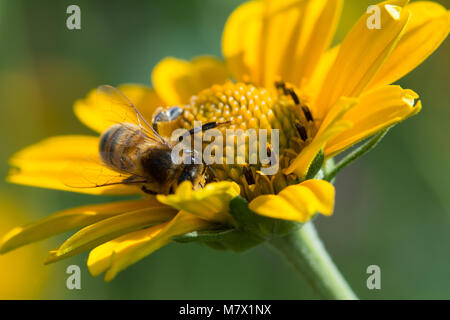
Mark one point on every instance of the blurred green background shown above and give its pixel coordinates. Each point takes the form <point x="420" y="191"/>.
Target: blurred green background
<point x="393" y="206"/>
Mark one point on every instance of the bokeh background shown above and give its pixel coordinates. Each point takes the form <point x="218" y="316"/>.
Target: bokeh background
<point x="393" y="206"/>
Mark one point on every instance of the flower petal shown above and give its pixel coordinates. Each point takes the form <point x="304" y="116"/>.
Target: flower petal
<point x="101" y="258"/>
<point x="269" y="39"/>
<point x="241" y="42"/>
<point x="297" y="202"/>
<point x="362" y="53"/>
<point x="177" y="80"/>
<point x="58" y="162"/>
<point x="111" y="228"/>
<point x="210" y="203"/>
<point x="331" y="126"/>
<point x="427" y="29"/>
<point x="116" y="255"/>
<point x="378" y="109"/>
<point x="99" y="112"/>
<point x="309" y="38"/>
<point x="69" y="220"/>
<point x="326" y="62"/>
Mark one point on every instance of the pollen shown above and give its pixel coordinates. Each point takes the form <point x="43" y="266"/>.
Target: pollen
<point x="242" y="107"/>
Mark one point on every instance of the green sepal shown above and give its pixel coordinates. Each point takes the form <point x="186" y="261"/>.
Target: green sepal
<point x="358" y="152"/>
<point x="237" y="241"/>
<point x="259" y="226"/>
<point x="315" y="166"/>
<point x="250" y="230"/>
<point x="223" y="239"/>
<point x="208" y="235"/>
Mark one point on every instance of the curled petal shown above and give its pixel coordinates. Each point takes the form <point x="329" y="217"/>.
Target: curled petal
<point x="210" y="203"/>
<point x="377" y="109"/>
<point x="297" y="202"/>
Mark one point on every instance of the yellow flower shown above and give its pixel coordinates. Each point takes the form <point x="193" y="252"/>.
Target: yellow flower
<point x="278" y="73"/>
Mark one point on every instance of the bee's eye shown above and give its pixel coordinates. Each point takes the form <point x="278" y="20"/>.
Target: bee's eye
<point x="174" y="112"/>
<point x="168" y="115"/>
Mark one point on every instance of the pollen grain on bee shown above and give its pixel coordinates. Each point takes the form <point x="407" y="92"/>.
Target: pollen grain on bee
<point x="241" y="147"/>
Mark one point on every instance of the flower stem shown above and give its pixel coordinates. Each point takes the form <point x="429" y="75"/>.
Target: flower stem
<point x="305" y="251"/>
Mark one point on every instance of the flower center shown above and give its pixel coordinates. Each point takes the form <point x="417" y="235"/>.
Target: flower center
<point x="246" y="107"/>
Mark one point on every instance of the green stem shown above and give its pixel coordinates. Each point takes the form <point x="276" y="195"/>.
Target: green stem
<point x="305" y="251"/>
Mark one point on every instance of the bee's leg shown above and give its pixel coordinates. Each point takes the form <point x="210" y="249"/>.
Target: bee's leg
<point x="147" y="191"/>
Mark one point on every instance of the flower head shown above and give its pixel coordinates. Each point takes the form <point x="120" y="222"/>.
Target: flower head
<point x="278" y="74"/>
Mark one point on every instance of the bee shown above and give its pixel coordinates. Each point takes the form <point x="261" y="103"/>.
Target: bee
<point x="133" y="153"/>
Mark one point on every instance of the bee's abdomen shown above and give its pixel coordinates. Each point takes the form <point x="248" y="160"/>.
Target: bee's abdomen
<point x="119" y="145"/>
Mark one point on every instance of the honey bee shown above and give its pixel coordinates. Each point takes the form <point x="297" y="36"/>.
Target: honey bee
<point x="135" y="154"/>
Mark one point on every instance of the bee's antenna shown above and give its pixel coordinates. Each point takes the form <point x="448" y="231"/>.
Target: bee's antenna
<point x="205" y="127"/>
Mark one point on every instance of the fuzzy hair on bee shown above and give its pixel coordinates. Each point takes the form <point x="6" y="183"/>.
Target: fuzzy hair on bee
<point x="126" y="148"/>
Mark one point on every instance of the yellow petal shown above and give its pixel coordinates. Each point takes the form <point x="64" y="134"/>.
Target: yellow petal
<point x="265" y="40"/>
<point x="69" y="220"/>
<point x="427" y="29"/>
<point x="378" y="109"/>
<point x="241" y="42"/>
<point x="330" y="127"/>
<point x="56" y="162"/>
<point x="116" y="255"/>
<point x="297" y="202"/>
<point x="21" y="275"/>
<point x="101" y="258"/>
<point x="309" y="35"/>
<point x="362" y="53"/>
<point x="177" y="80"/>
<point x="211" y="203"/>
<point x="111" y="228"/>
<point x="326" y="61"/>
<point x="99" y="112"/>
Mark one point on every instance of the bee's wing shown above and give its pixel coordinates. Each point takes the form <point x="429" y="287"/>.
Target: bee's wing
<point x="92" y="173"/>
<point x="119" y="109"/>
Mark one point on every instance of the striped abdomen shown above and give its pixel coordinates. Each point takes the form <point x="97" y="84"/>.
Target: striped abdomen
<point x="120" y="146"/>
